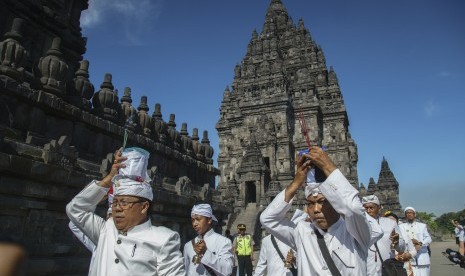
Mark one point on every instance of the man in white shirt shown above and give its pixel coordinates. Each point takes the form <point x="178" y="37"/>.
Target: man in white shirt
<point x="270" y="261"/>
<point x="336" y="214"/>
<point x="421" y="239"/>
<point x="127" y="243"/>
<point x="209" y="253"/>
<point x="388" y="244"/>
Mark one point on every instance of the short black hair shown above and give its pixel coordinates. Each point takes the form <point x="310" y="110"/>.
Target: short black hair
<point x="391" y="214"/>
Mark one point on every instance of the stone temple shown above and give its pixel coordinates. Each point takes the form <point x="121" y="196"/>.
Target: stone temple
<point x="282" y="77"/>
<point x="387" y="189"/>
<point x="57" y="133"/>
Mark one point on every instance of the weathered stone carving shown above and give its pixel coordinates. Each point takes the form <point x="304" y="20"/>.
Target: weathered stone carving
<point x="60" y="153"/>
<point x="53" y="70"/>
<point x="173" y="133"/>
<point x="160" y="127"/>
<point x="82" y="91"/>
<point x="106" y="100"/>
<point x="199" y="149"/>
<point x="128" y="112"/>
<point x="207" y="148"/>
<point x="184" y="186"/>
<point x="12" y="53"/>
<point x="145" y="121"/>
<point x="186" y="140"/>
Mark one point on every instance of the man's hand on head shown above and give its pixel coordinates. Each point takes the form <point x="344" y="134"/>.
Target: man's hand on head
<point x="117" y="164"/>
<point x="320" y="159"/>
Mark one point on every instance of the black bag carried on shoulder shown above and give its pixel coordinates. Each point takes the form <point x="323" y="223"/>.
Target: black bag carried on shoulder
<point x="391" y="267"/>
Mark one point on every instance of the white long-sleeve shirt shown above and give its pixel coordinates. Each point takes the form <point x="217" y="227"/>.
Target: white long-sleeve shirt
<point x="347" y="240"/>
<point x="269" y="263"/>
<point x="374" y="265"/>
<point x="218" y="256"/>
<point x="143" y="250"/>
<point x="418" y="231"/>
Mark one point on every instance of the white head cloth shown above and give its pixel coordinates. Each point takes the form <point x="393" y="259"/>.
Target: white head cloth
<point x="133" y="180"/>
<point x="203" y="210"/>
<point x="371" y="199"/>
<point x="127" y="186"/>
<point x="298" y="216"/>
<point x="312" y="185"/>
<point x="110" y="200"/>
<point x="136" y="165"/>
<point x="409" y="208"/>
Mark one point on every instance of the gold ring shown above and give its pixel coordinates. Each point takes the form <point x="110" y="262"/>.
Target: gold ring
<point x="115" y="162"/>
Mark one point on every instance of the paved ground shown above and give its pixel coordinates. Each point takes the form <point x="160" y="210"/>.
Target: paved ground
<point x="440" y="265"/>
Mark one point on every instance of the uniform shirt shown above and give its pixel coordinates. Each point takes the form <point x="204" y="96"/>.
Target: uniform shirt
<point x="347" y="240"/>
<point x="269" y="262"/>
<point x="418" y="231"/>
<point x="374" y="265"/>
<point x="143" y="250"/>
<point x="243" y="244"/>
<point x="218" y="256"/>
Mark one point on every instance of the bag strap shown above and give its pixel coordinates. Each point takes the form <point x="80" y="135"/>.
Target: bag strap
<point x="379" y="254"/>
<point x="277" y="248"/>
<point x="324" y="250"/>
<point x="275" y="245"/>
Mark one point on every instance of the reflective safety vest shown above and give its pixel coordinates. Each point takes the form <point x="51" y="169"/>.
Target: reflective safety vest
<point x="243" y="245"/>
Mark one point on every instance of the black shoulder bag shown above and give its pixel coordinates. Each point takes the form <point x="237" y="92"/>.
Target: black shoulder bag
<point x="292" y="269"/>
<point x="324" y="250"/>
<point x="391" y="267"/>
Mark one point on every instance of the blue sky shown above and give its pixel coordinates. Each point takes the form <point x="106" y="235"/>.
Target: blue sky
<point x="400" y="65"/>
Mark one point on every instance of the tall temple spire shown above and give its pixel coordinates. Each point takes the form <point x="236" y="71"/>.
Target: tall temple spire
<point x="386" y="177"/>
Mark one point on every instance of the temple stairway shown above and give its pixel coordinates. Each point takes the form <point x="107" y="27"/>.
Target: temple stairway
<point x="247" y="217"/>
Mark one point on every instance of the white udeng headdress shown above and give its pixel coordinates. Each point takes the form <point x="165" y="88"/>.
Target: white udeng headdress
<point x="312" y="185"/>
<point x="203" y="210"/>
<point x="371" y="199"/>
<point x="133" y="180"/>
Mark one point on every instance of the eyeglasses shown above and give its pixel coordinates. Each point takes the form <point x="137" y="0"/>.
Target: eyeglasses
<point x="125" y="204"/>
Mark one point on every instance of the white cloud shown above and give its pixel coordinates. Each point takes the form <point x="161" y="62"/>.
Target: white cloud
<point x="430" y="108"/>
<point x="134" y="18"/>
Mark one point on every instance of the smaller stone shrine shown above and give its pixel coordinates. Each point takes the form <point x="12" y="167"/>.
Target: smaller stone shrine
<point x="387" y="189"/>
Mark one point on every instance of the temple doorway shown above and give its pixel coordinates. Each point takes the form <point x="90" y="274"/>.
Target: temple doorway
<point x="251" y="194"/>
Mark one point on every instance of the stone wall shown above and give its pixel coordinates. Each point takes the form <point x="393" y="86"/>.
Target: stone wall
<point x="57" y="134"/>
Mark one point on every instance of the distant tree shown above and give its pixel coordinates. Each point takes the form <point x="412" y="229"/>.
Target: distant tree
<point x="428" y="218"/>
<point x="444" y="222"/>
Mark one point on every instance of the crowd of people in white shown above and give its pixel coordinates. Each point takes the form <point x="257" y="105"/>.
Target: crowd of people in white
<point x="336" y="233"/>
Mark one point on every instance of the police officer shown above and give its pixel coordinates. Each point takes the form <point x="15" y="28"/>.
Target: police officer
<point x="243" y="247"/>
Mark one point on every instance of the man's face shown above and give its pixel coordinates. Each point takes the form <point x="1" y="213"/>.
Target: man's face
<point x="410" y="215"/>
<point x="201" y="224"/>
<point x="321" y="212"/>
<point x="242" y="231"/>
<point x="129" y="211"/>
<point x="372" y="209"/>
